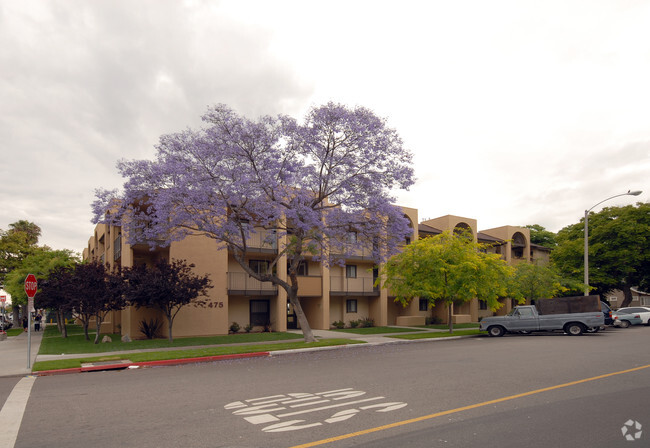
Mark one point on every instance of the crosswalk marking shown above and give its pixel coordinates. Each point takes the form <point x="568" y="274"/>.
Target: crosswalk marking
<point x="13" y="410"/>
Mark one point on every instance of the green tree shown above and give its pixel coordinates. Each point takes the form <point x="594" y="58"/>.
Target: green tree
<point x="542" y="237"/>
<point x="16" y="244"/>
<point x="536" y="281"/>
<point x="619" y="249"/>
<point x="167" y="286"/>
<point x="40" y="263"/>
<point x="447" y="268"/>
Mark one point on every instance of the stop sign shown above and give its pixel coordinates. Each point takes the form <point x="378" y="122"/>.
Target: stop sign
<point x="30" y="286"/>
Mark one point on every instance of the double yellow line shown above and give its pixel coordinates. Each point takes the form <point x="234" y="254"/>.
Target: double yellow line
<point x="464" y="408"/>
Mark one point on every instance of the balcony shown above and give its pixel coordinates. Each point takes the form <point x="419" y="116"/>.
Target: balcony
<point x="117" y="248"/>
<point x="263" y="241"/>
<point x="241" y="284"/>
<point x="360" y="286"/>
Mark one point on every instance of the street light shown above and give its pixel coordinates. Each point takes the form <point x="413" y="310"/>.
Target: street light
<point x="629" y="193"/>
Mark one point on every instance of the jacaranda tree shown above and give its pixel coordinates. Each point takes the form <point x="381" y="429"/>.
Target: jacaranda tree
<point x="320" y="188"/>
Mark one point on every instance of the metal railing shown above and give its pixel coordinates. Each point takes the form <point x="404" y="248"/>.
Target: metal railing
<point x="263" y="239"/>
<point x="359" y="285"/>
<point x="242" y="283"/>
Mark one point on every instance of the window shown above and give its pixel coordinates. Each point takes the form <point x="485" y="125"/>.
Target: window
<point x="259" y="266"/>
<point x="424" y="304"/>
<point x="351" y="306"/>
<point x="351" y="270"/>
<point x="482" y="305"/>
<point x="303" y="269"/>
<point x="260" y="313"/>
<point x="352" y="237"/>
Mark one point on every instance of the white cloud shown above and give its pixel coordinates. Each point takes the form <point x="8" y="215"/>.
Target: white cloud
<point x="517" y="112"/>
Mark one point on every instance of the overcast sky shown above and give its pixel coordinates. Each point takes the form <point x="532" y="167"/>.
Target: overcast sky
<point x="518" y="112"/>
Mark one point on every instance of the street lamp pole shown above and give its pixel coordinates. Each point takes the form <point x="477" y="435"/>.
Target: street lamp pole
<point x="629" y="193"/>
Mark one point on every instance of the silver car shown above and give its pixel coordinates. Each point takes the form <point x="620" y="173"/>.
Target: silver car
<point x="624" y="320"/>
<point x="642" y="311"/>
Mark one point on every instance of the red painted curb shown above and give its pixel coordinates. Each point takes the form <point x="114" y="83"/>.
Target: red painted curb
<point x="164" y="362"/>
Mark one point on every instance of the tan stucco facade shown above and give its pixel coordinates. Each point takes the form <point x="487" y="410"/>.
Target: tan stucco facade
<point x="327" y="294"/>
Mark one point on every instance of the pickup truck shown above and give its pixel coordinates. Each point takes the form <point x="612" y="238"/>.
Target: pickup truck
<point x="573" y="315"/>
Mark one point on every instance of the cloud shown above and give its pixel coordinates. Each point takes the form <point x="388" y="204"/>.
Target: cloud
<point x="87" y="83"/>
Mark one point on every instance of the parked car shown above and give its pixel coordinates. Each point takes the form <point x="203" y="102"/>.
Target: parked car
<point x="642" y="311"/>
<point x="607" y="312"/>
<point x="5" y="324"/>
<point x="624" y="320"/>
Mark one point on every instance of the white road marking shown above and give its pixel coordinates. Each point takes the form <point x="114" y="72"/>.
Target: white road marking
<point x="13" y="410"/>
<point x="265" y="410"/>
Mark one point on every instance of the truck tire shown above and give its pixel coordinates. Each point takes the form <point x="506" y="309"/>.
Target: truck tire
<point x="574" y="328"/>
<point x="496" y="331"/>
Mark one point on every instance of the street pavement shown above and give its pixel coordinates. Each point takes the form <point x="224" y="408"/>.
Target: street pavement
<point x="13" y="350"/>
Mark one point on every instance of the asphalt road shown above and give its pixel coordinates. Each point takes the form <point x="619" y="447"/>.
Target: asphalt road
<point x="536" y="390"/>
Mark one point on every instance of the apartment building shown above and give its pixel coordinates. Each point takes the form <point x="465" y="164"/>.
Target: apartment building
<point x="326" y="293"/>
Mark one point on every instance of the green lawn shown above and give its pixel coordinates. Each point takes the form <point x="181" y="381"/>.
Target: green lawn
<point x="190" y="353"/>
<point x="430" y="335"/>
<point x="378" y="330"/>
<point x="14" y="332"/>
<point x="54" y="344"/>
<point x="446" y="326"/>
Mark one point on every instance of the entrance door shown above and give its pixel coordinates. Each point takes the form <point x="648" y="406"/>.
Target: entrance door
<point x="260" y="312"/>
<point x="292" y="320"/>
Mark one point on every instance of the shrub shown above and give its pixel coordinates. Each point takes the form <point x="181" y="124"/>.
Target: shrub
<point x="354" y="323"/>
<point x="367" y="322"/>
<point x="338" y="324"/>
<point x="433" y="320"/>
<point x="234" y="327"/>
<point x="248" y="328"/>
<point x="150" y="329"/>
<point x="268" y="328"/>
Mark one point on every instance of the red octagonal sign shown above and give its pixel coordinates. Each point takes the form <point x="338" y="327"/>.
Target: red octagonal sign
<point x="30" y="286"/>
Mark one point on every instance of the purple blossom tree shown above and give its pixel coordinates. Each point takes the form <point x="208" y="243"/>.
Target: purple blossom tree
<point x="314" y="184"/>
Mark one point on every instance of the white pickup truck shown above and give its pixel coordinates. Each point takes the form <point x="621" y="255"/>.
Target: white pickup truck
<point x="573" y="315"/>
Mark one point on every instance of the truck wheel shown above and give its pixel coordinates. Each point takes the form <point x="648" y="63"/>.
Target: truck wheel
<point x="574" y="329"/>
<point x="496" y="331"/>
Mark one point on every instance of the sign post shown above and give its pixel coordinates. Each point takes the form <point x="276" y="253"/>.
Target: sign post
<point x="30" y="289"/>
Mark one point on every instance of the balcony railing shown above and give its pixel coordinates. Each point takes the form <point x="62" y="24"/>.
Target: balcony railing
<point x="240" y="283"/>
<point x="363" y="286"/>
<point x="117" y="248"/>
<point x="265" y="240"/>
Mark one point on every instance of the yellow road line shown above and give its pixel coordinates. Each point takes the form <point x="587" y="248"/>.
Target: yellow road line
<point x="464" y="408"/>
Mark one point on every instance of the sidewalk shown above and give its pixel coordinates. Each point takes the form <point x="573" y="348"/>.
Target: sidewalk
<point x="13" y="350"/>
<point x="13" y="354"/>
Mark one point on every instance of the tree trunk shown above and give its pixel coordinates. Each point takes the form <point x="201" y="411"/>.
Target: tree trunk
<point x="450" y="317"/>
<point x="61" y="323"/>
<point x="86" y="322"/>
<point x="627" y="294"/>
<point x="170" y="323"/>
<point x="302" y="318"/>
<point x="98" y="321"/>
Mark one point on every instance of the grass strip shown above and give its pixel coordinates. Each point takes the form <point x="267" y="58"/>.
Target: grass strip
<point x="76" y="343"/>
<point x="14" y="332"/>
<point x="190" y="353"/>
<point x="378" y="330"/>
<point x="446" y="326"/>
<point x="438" y="335"/>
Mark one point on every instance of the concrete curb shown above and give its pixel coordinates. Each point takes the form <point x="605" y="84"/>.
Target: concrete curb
<point x="164" y="362"/>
